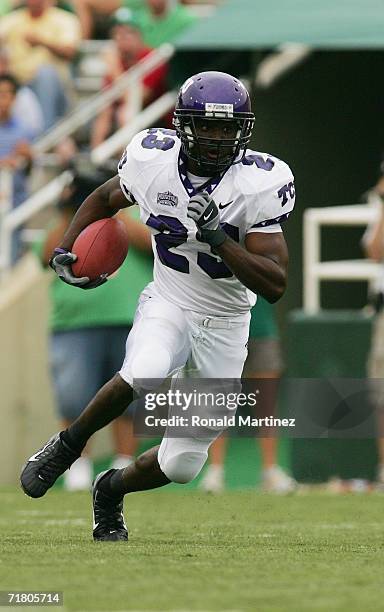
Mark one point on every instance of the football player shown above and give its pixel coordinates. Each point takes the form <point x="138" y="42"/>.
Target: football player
<point x="215" y="209"/>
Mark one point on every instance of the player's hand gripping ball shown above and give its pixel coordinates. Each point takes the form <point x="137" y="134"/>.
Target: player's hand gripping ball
<point x="61" y="262"/>
<point x="97" y="252"/>
<point x="204" y="212"/>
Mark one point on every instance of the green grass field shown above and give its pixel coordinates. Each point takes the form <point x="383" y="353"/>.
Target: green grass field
<point x="189" y="551"/>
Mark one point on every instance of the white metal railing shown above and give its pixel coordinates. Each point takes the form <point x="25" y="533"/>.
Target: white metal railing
<point x="316" y="271"/>
<point x="16" y="217"/>
<point x="6" y="192"/>
<point x="6" y="196"/>
<point x="88" y="109"/>
<point x="121" y="137"/>
<point x="13" y="219"/>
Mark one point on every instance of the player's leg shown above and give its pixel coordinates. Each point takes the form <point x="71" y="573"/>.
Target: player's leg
<point x="64" y="448"/>
<point x="155" y="346"/>
<point x="167" y="351"/>
<point x="175" y="460"/>
<point x="108" y="403"/>
<point x="110" y="487"/>
<point x="79" y="476"/>
<point x="178" y="459"/>
<point x="219" y="349"/>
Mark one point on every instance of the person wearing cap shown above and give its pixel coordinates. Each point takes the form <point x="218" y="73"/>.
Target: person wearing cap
<point x="125" y="50"/>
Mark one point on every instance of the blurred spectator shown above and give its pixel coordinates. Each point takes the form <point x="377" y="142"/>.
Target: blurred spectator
<point x="15" y="151"/>
<point x="198" y="1"/>
<point x="126" y="49"/>
<point x="264" y="362"/>
<point x="205" y="2"/>
<point x="89" y="328"/>
<point x="162" y="20"/>
<point x="373" y="243"/>
<point x="93" y="16"/>
<point x="42" y="40"/>
<point x="26" y="108"/>
<point x="8" y="5"/>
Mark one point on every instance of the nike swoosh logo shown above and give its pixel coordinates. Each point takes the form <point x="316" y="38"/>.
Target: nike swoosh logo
<point x="206" y="217"/>
<point x="35" y="457"/>
<point x="221" y="206"/>
<point x="122" y="516"/>
<point x="95" y="525"/>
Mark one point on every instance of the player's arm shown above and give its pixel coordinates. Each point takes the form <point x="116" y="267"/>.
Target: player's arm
<point x="139" y="234"/>
<point x="261" y="266"/>
<point x="52" y="239"/>
<point x="104" y="202"/>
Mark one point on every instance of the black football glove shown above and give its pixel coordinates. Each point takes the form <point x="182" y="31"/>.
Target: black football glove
<point x="204" y="212"/>
<point x="61" y="262"/>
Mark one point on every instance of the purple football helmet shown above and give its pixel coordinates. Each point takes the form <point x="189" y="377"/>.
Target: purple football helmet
<point x="218" y="97"/>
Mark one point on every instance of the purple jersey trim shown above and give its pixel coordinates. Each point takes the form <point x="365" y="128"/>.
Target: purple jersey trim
<point x="61" y="251"/>
<point x="128" y="194"/>
<point x="210" y="184"/>
<point x="272" y="221"/>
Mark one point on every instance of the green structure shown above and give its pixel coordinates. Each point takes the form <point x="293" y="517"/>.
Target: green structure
<point x="255" y="24"/>
<point x="329" y="345"/>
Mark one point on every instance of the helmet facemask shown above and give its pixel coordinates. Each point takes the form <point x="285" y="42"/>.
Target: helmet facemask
<point x="213" y="155"/>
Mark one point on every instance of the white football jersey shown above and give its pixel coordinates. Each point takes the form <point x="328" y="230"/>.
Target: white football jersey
<point x="255" y="194"/>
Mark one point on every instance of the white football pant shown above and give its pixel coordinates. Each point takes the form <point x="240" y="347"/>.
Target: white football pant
<point x="165" y="341"/>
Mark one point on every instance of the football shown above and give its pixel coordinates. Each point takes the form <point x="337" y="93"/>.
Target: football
<point x="100" y="248"/>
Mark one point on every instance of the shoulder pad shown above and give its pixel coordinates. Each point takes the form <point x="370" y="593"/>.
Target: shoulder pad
<point x="151" y="144"/>
<point x="269" y="189"/>
<point x="261" y="171"/>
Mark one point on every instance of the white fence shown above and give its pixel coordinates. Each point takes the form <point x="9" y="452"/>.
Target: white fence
<point x="88" y="109"/>
<point x="315" y="270"/>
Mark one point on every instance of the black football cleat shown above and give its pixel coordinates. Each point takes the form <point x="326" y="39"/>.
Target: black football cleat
<point x="108" y="517"/>
<point x="44" y="467"/>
